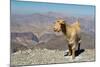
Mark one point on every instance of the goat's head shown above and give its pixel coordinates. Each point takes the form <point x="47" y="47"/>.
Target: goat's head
<point x="57" y="25"/>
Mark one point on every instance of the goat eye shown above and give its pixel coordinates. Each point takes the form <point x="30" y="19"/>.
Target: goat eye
<point x="57" y="21"/>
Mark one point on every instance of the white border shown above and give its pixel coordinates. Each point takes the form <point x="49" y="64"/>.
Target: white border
<point x="4" y="33"/>
<point x="84" y="2"/>
<point x="5" y="37"/>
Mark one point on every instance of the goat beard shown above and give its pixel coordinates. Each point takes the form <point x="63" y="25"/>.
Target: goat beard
<point x="57" y="30"/>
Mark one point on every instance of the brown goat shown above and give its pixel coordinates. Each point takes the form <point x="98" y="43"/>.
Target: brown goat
<point x="71" y="32"/>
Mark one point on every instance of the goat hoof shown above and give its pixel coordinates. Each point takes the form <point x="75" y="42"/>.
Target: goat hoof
<point x="73" y="57"/>
<point x="67" y="54"/>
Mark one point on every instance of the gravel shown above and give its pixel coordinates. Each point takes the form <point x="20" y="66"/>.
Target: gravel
<point x="46" y="56"/>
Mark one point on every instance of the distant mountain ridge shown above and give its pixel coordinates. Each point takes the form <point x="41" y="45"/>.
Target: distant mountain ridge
<point x="38" y="21"/>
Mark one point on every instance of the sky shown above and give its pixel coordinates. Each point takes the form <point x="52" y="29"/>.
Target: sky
<point x="18" y="7"/>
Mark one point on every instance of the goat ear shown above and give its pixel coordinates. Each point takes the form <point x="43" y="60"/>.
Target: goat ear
<point x="58" y="18"/>
<point x="77" y="22"/>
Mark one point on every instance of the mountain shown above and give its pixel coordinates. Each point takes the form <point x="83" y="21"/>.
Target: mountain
<point x="52" y="41"/>
<point x="22" y="40"/>
<point x="46" y="37"/>
<point x="38" y="22"/>
<point x="36" y="31"/>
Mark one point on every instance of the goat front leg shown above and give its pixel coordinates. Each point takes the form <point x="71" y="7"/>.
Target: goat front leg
<point x="73" y="51"/>
<point x="70" y="50"/>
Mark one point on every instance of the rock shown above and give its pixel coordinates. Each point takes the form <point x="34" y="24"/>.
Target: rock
<point x="45" y="56"/>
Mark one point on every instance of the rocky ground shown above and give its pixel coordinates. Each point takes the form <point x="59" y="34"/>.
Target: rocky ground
<point x="46" y="56"/>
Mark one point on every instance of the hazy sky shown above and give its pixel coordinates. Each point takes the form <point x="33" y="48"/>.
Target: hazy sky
<point x="37" y="7"/>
